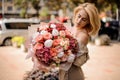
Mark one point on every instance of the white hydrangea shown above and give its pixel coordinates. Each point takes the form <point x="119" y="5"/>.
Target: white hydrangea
<point x="48" y="43"/>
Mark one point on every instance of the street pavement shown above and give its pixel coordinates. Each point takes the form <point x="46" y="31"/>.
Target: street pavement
<point x="103" y="63"/>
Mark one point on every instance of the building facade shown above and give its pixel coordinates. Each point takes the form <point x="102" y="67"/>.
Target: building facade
<point x="8" y="9"/>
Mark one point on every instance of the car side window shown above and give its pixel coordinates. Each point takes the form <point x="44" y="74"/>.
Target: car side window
<point x="17" y="25"/>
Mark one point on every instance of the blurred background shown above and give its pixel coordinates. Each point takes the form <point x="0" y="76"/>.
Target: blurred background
<point x="17" y="16"/>
<point x="62" y="10"/>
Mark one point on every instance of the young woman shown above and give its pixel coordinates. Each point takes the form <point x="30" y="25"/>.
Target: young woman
<point x="86" y="23"/>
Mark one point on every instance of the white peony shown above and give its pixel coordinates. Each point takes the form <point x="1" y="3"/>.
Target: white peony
<point x="71" y="58"/>
<point x="52" y="26"/>
<point x="55" y="32"/>
<point x="43" y="32"/>
<point x="60" y="54"/>
<point x="48" y="43"/>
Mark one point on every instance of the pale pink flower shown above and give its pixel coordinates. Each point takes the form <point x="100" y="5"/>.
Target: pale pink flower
<point x="62" y="33"/>
<point x="68" y="33"/>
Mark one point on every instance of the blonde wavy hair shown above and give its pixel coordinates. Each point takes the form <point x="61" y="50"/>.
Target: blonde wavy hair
<point x="93" y="14"/>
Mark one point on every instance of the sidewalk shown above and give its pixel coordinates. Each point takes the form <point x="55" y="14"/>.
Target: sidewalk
<point x="103" y="63"/>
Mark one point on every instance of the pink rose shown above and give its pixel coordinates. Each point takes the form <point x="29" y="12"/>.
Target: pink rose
<point x="38" y="46"/>
<point x="59" y="49"/>
<point x="53" y="52"/>
<point x="56" y="42"/>
<point x="47" y="36"/>
<point x="39" y="38"/>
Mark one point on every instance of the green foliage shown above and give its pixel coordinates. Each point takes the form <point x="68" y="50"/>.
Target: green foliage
<point x="23" y="13"/>
<point x="36" y="6"/>
<point x="23" y="4"/>
<point x="44" y="12"/>
<point x="55" y="5"/>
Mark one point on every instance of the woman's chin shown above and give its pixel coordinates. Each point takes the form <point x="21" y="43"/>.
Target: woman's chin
<point x="78" y="25"/>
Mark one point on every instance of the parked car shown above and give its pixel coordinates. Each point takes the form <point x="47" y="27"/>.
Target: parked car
<point x="111" y="28"/>
<point x="14" y="27"/>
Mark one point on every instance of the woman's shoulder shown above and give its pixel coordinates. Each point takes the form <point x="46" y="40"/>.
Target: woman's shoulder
<point x="82" y="37"/>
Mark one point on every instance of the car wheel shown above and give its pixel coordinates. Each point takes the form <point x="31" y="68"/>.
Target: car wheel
<point x="7" y="42"/>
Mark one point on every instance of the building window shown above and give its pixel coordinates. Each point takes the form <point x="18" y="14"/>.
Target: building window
<point x="18" y="9"/>
<point x="9" y="0"/>
<point x="9" y="8"/>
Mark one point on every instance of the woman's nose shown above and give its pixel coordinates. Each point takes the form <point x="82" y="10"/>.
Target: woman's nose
<point x="79" y="20"/>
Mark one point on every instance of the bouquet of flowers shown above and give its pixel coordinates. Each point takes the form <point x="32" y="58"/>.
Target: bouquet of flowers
<point x="54" y="44"/>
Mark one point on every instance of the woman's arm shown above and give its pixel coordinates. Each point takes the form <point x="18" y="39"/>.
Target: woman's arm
<point x="82" y="55"/>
